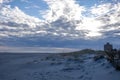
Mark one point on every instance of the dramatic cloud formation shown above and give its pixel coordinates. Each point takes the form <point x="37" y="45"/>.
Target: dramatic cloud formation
<point x="63" y="8"/>
<point x="15" y="22"/>
<point x="71" y="15"/>
<point x="110" y="19"/>
<point x="62" y="19"/>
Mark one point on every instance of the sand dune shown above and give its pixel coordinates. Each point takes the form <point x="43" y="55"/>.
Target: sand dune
<point x="55" y="67"/>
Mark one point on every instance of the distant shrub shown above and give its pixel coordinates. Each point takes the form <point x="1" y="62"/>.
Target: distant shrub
<point x="98" y="57"/>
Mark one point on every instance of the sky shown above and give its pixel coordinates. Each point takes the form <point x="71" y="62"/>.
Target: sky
<point x="59" y="23"/>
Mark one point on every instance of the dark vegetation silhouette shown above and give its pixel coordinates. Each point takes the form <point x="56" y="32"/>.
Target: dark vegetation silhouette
<point x="112" y="55"/>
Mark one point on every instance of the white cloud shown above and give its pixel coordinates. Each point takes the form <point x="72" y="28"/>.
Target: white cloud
<point x="5" y="1"/>
<point x="111" y="20"/>
<point x="92" y="26"/>
<point x="71" y="16"/>
<point x="17" y="16"/>
<point x="99" y="10"/>
<point x="1" y="1"/>
<point x="15" y="22"/>
<point x="65" y="8"/>
<point x="64" y="19"/>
